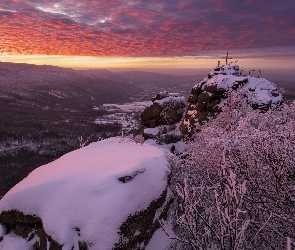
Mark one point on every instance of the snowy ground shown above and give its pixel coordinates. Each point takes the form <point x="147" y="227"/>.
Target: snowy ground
<point x="125" y="114"/>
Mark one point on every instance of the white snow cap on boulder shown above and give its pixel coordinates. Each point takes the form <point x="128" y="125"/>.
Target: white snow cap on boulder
<point x="93" y="189"/>
<point x="260" y="91"/>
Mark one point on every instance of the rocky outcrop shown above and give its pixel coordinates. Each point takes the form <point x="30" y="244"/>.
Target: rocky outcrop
<point x="210" y="95"/>
<point x="162" y="116"/>
<point x="166" y="109"/>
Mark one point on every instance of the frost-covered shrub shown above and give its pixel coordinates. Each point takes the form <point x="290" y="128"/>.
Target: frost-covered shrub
<point x="239" y="188"/>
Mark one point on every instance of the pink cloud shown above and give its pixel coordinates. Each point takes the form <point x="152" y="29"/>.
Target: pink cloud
<point x="143" y="28"/>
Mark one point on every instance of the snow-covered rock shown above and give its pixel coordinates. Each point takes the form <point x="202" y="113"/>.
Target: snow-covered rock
<point x="103" y="196"/>
<point x="210" y="95"/>
<point x="164" y="134"/>
<point x="166" y="109"/>
<point x="161" y="119"/>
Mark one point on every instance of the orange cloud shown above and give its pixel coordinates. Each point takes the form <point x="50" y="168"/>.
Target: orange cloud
<point x="143" y="28"/>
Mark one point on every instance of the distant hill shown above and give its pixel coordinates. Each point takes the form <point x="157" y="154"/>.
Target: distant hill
<point x="43" y="109"/>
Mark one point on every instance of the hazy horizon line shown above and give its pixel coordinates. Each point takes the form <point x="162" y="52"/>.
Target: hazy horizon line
<point x="185" y="71"/>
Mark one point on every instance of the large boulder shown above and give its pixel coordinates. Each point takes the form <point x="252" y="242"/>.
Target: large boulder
<point x="162" y="119"/>
<point x="166" y="109"/>
<point x="210" y="95"/>
<point x="108" y="195"/>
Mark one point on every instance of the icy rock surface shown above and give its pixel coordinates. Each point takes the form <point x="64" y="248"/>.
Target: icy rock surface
<point x="210" y="95"/>
<point x="85" y="198"/>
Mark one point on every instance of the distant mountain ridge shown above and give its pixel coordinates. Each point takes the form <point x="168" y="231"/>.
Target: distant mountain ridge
<point x="43" y="109"/>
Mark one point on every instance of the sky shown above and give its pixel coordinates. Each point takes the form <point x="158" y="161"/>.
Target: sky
<point x="148" y="34"/>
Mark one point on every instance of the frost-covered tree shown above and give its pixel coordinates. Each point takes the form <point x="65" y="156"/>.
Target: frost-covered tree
<point x="237" y="187"/>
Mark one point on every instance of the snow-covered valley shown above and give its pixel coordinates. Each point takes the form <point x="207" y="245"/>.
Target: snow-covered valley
<point x="127" y="115"/>
<point x="44" y="109"/>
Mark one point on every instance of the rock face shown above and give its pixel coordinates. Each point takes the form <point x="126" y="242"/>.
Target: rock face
<point x="107" y="195"/>
<point x="210" y="95"/>
<point x="166" y="109"/>
<point x="161" y="118"/>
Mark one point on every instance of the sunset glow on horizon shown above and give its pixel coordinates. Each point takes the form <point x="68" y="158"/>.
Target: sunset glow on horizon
<point x="145" y="63"/>
<point x="147" y="34"/>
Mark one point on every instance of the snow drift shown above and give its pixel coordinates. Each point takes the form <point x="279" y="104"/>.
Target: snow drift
<point x="86" y="195"/>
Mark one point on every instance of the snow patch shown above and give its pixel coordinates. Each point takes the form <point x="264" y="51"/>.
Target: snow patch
<point x="171" y="98"/>
<point x="159" y="241"/>
<point x="15" y="242"/>
<point x="129" y="107"/>
<point x="180" y="146"/>
<point x="2" y="230"/>
<point x="124" y="114"/>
